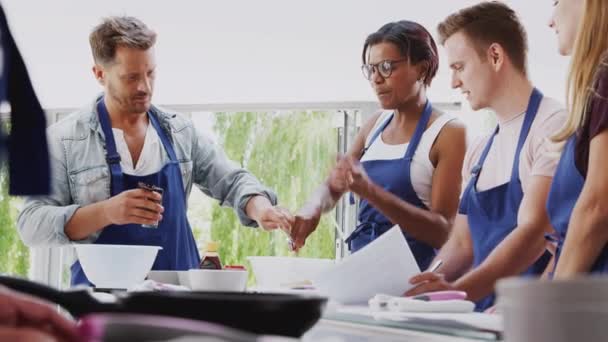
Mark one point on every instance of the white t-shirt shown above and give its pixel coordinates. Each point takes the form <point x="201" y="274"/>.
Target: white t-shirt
<point x="537" y="157"/>
<point x="151" y="156"/>
<point x="421" y="168"/>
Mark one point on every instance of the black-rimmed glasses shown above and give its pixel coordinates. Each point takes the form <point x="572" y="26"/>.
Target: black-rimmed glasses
<point x="384" y="68"/>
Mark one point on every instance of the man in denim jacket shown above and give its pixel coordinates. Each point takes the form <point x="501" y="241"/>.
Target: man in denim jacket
<point x="100" y="154"/>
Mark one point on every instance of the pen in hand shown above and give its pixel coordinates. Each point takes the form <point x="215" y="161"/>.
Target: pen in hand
<point x="435" y="266"/>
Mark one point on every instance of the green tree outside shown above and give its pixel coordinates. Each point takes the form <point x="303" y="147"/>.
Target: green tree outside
<point x="290" y="152"/>
<point x="14" y="255"/>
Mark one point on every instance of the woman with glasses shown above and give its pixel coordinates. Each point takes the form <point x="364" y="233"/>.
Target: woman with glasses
<point x="577" y="203"/>
<point x="404" y="163"/>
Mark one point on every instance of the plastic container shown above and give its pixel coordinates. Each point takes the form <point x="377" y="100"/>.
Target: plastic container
<point x="165" y="277"/>
<point x="281" y="272"/>
<point x="183" y="278"/>
<point x="218" y="280"/>
<point x="554" y="311"/>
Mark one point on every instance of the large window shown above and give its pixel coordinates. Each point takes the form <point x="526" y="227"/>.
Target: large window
<point x="290" y="148"/>
<point x="291" y="152"/>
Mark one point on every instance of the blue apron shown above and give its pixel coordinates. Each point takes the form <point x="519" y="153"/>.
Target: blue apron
<point x="492" y="214"/>
<point x="393" y="176"/>
<point x="566" y="188"/>
<point x="173" y="234"/>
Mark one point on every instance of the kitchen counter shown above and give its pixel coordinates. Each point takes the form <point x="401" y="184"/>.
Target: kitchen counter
<point x="329" y="329"/>
<point x="340" y="331"/>
<point x="355" y="324"/>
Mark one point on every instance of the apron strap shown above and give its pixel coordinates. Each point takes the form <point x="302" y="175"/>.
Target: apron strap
<point x="477" y="168"/>
<point x="415" y="140"/>
<point x="413" y="143"/>
<point x="533" y="105"/>
<point x="377" y="133"/>
<point x="475" y="171"/>
<point x="112" y="156"/>
<point x="163" y="137"/>
<point x="420" y="128"/>
<point x="169" y="148"/>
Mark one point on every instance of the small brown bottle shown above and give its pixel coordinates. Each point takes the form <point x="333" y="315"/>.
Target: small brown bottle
<point x="211" y="260"/>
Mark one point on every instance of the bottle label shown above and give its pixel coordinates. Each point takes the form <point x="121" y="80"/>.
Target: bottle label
<point x="210" y="264"/>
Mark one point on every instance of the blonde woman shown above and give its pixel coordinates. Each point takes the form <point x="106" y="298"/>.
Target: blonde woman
<point x="578" y="201"/>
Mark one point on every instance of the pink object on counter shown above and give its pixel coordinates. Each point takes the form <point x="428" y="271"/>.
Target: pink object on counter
<point x="441" y="295"/>
<point x="91" y="328"/>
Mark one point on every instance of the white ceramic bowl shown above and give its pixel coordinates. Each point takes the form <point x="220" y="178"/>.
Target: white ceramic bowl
<point x="554" y="311"/>
<point x="218" y="280"/>
<point x="165" y="277"/>
<point x="276" y="272"/>
<point x="184" y="278"/>
<point x="116" y="266"/>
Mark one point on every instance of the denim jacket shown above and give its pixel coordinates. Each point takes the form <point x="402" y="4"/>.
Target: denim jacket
<point x="80" y="174"/>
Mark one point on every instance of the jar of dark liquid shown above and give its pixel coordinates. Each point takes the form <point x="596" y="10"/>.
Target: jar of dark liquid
<point x="153" y="188"/>
<point x="211" y="260"/>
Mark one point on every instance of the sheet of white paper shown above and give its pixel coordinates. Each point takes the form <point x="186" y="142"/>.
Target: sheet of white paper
<point x="383" y="266"/>
<point x="476" y="319"/>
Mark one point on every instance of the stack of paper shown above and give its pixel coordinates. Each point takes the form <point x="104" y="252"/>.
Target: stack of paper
<point x="485" y="326"/>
